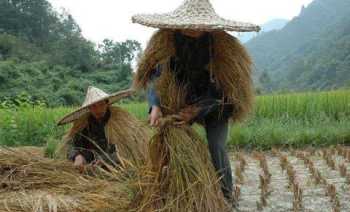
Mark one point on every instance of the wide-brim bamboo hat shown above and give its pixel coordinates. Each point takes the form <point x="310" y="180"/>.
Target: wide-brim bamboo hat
<point x="93" y="96"/>
<point x="193" y="15"/>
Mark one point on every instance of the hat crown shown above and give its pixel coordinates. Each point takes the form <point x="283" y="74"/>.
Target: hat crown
<point x="93" y="95"/>
<point x="196" y="7"/>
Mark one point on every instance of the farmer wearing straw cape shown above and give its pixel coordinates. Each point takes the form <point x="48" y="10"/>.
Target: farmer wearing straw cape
<point x="102" y="133"/>
<point x="209" y="66"/>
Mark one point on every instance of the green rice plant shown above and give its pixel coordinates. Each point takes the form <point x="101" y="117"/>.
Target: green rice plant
<point x="298" y="119"/>
<point x="267" y="133"/>
<point x="332" y="104"/>
<point x="29" y="126"/>
<point x="139" y="110"/>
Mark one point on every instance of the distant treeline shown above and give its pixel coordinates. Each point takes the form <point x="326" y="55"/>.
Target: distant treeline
<point x="43" y="55"/>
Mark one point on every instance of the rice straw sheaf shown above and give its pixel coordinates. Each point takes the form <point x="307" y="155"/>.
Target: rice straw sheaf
<point x="180" y="176"/>
<point x="29" y="182"/>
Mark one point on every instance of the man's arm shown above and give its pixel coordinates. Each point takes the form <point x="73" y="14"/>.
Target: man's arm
<point x="197" y="111"/>
<point x="153" y="99"/>
<point x="154" y="111"/>
<point x="152" y="96"/>
<point x="210" y="102"/>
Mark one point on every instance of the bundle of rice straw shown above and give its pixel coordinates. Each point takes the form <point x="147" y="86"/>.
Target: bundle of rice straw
<point x="180" y="176"/>
<point x="29" y="182"/>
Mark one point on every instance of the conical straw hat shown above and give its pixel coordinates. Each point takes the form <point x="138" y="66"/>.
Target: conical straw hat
<point x="194" y="15"/>
<point x="93" y="96"/>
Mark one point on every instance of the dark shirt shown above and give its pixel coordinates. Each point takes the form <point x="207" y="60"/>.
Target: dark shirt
<point x="190" y="67"/>
<point x="92" y="143"/>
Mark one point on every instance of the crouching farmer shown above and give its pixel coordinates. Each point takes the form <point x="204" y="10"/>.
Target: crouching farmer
<point x="104" y="134"/>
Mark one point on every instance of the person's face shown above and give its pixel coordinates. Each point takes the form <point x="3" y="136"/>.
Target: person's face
<point x="192" y="33"/>
<point x="99" y="109"/>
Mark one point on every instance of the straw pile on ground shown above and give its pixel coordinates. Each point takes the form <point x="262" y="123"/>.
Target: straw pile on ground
<point x="177" y="177"/>
<point x="29" y="182"/>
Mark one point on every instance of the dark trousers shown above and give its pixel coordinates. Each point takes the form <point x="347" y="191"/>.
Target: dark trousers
<point x="217" y="131"/>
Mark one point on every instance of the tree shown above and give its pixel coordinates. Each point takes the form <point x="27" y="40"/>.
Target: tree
<point x="265" y="81"/>
<point x="43" y="52"/>
<point x="113" y="53"/>
<point x="27" y="18"/>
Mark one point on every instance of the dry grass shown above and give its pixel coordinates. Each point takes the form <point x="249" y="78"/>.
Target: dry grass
<point x="30" y="182"/>
<point x="178" y="177"/>
<point x="299" y="181"/>
<point x="181" y="176"/>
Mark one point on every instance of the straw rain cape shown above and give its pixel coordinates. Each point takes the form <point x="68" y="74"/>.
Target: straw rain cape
<point x="230" y="67"/>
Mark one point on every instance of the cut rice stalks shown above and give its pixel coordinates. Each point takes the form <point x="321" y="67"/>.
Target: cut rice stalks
<point x="180" y="176"/>
<point x="29" y="182"/>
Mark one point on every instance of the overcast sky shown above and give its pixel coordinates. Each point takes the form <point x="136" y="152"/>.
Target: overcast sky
<point x="111" y="19"/>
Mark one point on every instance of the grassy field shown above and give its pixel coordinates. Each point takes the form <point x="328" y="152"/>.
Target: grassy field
<point x="296" y="120"/>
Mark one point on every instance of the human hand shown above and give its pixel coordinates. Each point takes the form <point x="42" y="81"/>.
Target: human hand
<point x="154" y="116"/>
<point x="79" y="162"/>
<point x="187" y="114"/>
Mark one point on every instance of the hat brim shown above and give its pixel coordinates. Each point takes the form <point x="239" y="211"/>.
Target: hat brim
<point x="78" y="113"/>
<point x="168" y="21"/>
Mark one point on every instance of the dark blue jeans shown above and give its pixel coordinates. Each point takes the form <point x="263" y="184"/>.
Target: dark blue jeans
<point x="217" y="131"/>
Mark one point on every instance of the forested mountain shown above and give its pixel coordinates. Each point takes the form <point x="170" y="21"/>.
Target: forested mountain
<point x="312" y="52"/>
<point x="44" y="55"/>
<point x="274" y="24"/>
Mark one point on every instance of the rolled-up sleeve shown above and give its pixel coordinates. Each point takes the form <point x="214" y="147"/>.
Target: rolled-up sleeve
<point x="152" y="96"/>
<point x="153" y="99"/>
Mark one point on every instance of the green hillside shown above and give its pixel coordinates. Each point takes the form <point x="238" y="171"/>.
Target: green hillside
<point x="312" y="52"/>
<point x="43" y="55"/>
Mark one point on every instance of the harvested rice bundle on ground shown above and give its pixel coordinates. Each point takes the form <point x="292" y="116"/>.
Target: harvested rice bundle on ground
<point x="35" y="201"/>
<point x="29" y="182"/>
<point x="180" y="176"/>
